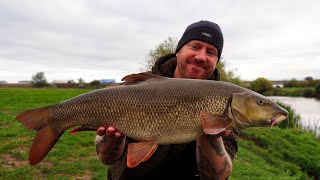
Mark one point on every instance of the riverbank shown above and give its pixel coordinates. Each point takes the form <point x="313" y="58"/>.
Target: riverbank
<point x="278" y="154"/>
<point x="307" y="108"/>
<point x="308" y="92"/>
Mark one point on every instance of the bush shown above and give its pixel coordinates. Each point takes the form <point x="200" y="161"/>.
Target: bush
<point x="95" y="83"/>
<point x="317" y="90"/>
<point x="293" y="83"/>
<point x="261" y="85"/>
<point x="308" y="92"/>
<point x="39" y="80"/>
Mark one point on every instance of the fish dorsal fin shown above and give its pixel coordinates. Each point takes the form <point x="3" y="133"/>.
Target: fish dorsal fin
<point x="140" y="77"/>
<point x="214" y="124"/>
<point x="113" y="85"/>
<point x="139" y="152"/>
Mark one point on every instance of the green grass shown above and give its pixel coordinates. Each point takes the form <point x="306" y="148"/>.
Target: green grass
<point x="278" y="154"/>
<point x="292" y="91"/>
<point x="74" y="156"/>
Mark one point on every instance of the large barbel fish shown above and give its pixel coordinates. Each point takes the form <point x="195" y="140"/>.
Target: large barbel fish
<point x="153" y="110"/>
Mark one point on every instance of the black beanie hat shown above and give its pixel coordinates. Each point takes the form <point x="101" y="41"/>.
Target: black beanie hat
<point x="206" y="31"/>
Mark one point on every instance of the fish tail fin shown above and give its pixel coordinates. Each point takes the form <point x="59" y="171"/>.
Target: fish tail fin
<point x="34" y="119"/>
<point x="45" y="139"/>
<point x="46" y="135"/>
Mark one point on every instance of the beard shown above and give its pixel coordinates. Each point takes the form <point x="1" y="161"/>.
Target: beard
<point x="201" y="64"/>
<point x="193" y="69"/>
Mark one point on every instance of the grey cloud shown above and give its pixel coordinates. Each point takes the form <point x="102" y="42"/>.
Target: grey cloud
<point x="88" y="39"/>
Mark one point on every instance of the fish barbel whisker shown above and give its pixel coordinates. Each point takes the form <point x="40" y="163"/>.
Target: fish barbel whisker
<point x="277" y="119"/>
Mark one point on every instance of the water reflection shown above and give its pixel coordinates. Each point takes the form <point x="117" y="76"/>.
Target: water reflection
<point x="308" y="108"/>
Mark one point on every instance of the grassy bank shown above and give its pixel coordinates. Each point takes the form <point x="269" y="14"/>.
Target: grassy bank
<point x="278" y="154"/>
<point x="72" y="157"/>
<point x="292" y="91"/>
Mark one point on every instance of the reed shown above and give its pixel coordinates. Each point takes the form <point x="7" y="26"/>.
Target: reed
<point x="312" y="125"/>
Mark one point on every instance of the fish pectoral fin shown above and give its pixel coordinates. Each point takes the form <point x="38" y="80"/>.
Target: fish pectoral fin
<point x="82" y="128"/>
<point x="139" y="152"/>
<point x="140" y="77"/>
<point x="214" y="124"/>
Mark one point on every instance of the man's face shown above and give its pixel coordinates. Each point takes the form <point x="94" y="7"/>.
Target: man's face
<point x="196" y="60"/>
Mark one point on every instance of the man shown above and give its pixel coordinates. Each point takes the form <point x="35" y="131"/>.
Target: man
<point x="197" y="55"/>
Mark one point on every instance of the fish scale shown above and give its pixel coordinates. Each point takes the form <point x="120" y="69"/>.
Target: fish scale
<point x="131" y="108"/>
<point x="154" y="109"/>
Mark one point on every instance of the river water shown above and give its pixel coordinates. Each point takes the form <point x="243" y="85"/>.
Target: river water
<point x="308" y="108"/>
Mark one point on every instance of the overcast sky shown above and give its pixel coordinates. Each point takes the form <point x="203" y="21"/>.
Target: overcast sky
<point x="95" y="39"/>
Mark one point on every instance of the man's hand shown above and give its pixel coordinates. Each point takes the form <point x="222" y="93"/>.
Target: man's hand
<point x="110" y="144"/>
<point x="212" y="159"/>
<point x="110" y="131"/>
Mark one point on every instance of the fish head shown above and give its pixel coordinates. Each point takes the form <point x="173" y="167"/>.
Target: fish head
<point x="251" y="109"/>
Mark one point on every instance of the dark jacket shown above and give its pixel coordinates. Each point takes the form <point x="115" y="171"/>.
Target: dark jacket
<point x="174" y="161"/>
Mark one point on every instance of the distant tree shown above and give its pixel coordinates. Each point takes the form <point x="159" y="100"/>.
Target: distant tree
<point x="308" y="78"/>
<point x="71" y="82"/>
<point x="228" y="76"/>
<point x="293" y="83"/>
<point x="166" y="47"/>
<point x="81" y="81"/>
<point x="95" y="83"/>
<point x="308" y="82"/>
<point x="39" y="80"/>
<point x="224" y="75"/>
<point x="261" y="85"/>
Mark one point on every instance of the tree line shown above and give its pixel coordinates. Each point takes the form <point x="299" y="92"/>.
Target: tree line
<point x="307" y="88"/>
<point x="39" y="80"/>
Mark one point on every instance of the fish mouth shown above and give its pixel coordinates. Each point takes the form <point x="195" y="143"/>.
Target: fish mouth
<point x="278" y="119"/>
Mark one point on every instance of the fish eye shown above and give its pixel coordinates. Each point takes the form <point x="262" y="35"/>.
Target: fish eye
<point x="260" y="101"/>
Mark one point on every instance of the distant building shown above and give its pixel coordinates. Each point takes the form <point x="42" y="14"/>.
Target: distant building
<point x="3" y="82"/>
<point x="63" y="81"/>
<point x="107" y="81"/>
<point x="279" y="84"/>
<point x="24" y="82"/>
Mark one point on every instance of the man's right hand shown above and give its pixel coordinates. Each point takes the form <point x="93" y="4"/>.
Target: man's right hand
<point x="110" y="144"/>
